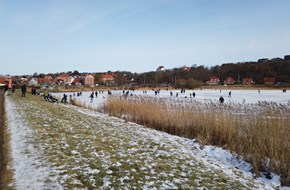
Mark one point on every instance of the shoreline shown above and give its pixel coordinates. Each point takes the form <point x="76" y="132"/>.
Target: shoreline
<point x="206" y="87"/>
<point x="216" y="87"/>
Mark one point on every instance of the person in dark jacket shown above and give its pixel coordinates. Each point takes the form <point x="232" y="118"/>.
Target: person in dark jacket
<point x="13" y="88"/>
<point x="221" y="99"/>
<point x="64" y="99"/>
<point x="23" y="90"/>
<point x="6" y="87"/>
<point x="92" y="97"/>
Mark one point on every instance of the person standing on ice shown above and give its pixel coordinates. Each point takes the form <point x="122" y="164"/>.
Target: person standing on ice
<point x="221" y="100"/>
<point x="92" y="97"/>
<point x="230" y="94"/>
<point x="64" y="99"/>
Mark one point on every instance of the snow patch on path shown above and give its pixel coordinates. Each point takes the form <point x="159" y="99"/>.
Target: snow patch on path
<point x="30" y="170"/>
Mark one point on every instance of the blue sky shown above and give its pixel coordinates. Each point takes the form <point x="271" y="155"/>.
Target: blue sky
<point x="138" y="35"/>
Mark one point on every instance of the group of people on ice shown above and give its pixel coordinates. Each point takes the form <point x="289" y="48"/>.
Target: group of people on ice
<point x="221" y="99"/>
<point x="96" y="93"/>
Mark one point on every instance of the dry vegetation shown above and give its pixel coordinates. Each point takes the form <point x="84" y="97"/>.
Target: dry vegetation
<point x="259" y="132"/>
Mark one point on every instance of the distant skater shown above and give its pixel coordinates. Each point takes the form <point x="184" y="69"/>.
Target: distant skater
<point x="92" y="97"/>
<point x="230" y="94"/>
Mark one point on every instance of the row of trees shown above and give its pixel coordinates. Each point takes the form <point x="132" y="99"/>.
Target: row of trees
<point x="198" y="75"/>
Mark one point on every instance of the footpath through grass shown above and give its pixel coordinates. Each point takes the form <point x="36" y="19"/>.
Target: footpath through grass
<point x="89" y="150"/>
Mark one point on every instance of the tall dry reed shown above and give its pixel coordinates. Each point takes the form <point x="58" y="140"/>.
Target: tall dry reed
<point x="83" y="104"/>
<point x="259" y="132"/>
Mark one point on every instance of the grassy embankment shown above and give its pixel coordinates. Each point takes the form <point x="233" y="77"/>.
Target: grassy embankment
<point x="97" y="152"/>
<point x="259" y="132"/>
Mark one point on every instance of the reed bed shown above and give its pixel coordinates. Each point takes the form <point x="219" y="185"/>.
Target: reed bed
<point x="259" y="132"/>
<point x="82" y="104"/>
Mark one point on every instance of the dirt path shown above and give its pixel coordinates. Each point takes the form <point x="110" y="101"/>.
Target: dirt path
<point x="2" y="165"/>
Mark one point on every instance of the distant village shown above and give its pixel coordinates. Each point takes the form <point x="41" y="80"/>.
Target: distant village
<point x="264" y="71"/>
<point x="64" y="79"/>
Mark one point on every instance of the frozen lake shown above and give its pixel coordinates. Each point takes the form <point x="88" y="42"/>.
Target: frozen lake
<point x="237" y="96"/>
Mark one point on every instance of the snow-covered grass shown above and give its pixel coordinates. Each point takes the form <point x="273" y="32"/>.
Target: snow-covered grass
<point x="56" y="146"/>
<point x="259" y="132"/>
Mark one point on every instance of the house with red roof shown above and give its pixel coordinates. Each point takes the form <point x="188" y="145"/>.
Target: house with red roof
<point x="107" y="78"/>
<point x="229" y="80"/>
<point x="43" y="81"/>
<point x="77" y="81"/>
<point x="213" y="81"/>
<point x="247" y="80"/>
<point x="63" y="78"/>
<point x="47" y="80"/>
<point x="3" y="81"/>
<point x="269" y="80"/>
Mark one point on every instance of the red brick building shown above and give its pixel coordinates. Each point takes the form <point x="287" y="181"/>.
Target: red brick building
<point x="229" y="80"/>
<point x="247" y="81"/>
<point x="89" y="80"/>
<point x="269" y="80"/>
<point x="213" y="81"/>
